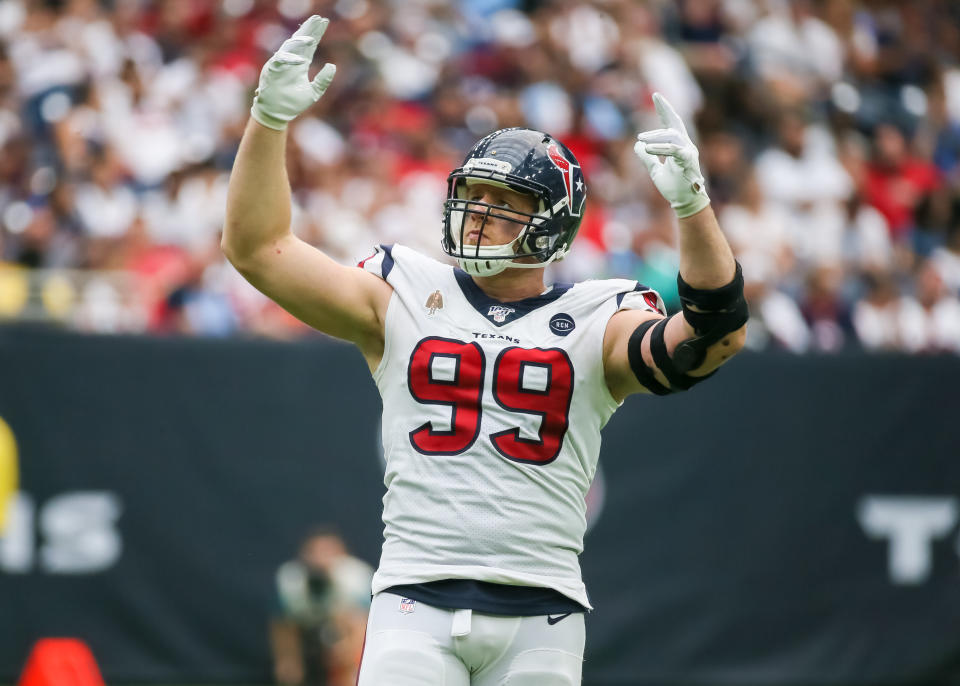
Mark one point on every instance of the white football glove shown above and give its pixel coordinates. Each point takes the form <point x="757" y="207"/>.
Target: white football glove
<point x="678" y="177"/>
<point x="284" y="91"/>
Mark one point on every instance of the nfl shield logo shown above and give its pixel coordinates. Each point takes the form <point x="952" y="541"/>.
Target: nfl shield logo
<point x="407" y="605"/>
<point x="500" y="313"/>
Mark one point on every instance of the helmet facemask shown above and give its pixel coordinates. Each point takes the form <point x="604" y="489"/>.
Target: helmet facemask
<point x="531" y="241"/>
<point x="523" y="161"/>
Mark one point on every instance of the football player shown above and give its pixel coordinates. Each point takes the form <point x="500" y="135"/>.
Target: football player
<point x="494" y="385"/>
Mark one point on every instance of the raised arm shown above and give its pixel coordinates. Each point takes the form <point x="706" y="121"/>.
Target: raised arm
<point x="342" y="301"/>
<point x="647" y="353"/>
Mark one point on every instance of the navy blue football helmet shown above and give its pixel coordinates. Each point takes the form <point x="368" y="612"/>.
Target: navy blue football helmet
<point x="525" y="161"/>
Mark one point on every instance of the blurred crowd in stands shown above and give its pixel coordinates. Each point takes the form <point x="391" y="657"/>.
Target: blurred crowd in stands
<point x="829" y="131"/>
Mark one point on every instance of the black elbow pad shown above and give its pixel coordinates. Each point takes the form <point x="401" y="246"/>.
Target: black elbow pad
<point x="713" y="313"/>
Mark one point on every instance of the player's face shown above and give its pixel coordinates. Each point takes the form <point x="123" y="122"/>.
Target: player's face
<point x="504" y="223"/>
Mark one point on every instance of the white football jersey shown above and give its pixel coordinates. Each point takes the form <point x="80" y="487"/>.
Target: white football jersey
<point x="491" y="424"/>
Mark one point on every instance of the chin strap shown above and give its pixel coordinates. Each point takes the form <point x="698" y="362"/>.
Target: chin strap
<point x="480" y="267"/>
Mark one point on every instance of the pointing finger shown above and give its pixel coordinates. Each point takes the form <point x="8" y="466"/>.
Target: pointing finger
<point x="668" y="115"/>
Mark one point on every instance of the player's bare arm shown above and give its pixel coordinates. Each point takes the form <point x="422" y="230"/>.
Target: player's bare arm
<point x="644" y="352"/>
<point x="342" y="301"/>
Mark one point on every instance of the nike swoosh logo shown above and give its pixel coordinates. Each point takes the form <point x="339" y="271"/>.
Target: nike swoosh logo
<point x="554" y="620"/>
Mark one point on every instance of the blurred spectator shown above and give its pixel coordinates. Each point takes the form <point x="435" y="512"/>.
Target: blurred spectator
<point x="795" y="53"/>
<point x="758" y="231"/>
<point x="878" y="317"/>
<point x="37" y="243"/>
<point x="194" y="308"/>
<point x="826" y="311"/>
<point x="947" y="258"/>
<point x="725" y="159"/>
<point x="105" y="206"/>
<point x="866" y="244"/>
<point x="928" y="321"/>
<point x="188" y="211"/>
<point x="775" y="317"/>
<point x="802" y="176"/>
<point x="316" y="632"/>
<point x="661" y="66"/>
<point x="933" y="317"/>
<point x="897" y="182"/>
<point x="704" y="35"/>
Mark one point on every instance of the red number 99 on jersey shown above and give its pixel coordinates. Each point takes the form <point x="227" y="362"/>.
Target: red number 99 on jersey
<point x="533" y="381"/>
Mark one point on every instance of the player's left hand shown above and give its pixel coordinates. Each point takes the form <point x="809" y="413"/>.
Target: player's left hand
<point x="284" y="90"/>
<point x="678" y="177"/>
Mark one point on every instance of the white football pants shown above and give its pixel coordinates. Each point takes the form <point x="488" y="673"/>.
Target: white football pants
<point x="420" y="645"/>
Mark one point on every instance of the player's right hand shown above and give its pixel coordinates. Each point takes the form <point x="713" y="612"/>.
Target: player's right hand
<point x="285" y="91"/>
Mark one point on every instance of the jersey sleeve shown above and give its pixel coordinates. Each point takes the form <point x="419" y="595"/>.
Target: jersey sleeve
<point x="380" y="262"/>
<point x="641" y="298"/>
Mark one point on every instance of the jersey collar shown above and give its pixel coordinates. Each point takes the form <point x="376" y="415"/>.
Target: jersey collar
<point x="500" y="313"/>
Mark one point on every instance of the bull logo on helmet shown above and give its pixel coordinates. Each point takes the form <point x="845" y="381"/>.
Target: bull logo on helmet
<point x="572" y="177"/>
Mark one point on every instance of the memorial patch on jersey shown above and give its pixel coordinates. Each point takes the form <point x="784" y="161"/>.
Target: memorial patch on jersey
<point x="499" y="313"/>
<point x="562" y="324"/>
<point x="407" y="605"/>
<point x="434" y="302"/>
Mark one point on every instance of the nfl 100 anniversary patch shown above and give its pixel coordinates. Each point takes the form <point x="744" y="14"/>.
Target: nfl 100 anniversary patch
<point x="499" y="313"/>
<point x="407" y="605"/>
